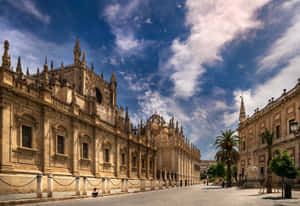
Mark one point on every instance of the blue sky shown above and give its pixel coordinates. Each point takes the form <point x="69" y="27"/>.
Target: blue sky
<point x="189" y="59"/>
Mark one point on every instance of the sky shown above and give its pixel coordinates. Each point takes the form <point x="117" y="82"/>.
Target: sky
<point x="189" y="59"/>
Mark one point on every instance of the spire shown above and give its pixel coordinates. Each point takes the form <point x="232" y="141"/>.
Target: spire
<point x="19" y="66"/>
<point x="61" y="73"/>
<point x="92" y="67"/>
<point x="6" y="57"/>
<point x="45" y="65"/>
<point x="83" y="59"/>
<point x="77" y="53"/>
<point x="102" y="75"/>
<point x="38" y="71"/>
<point x="27" y="72"/>
<point x="51" y="65"/>
<point x="113" y="77"/>
<point x="242" y="111"/>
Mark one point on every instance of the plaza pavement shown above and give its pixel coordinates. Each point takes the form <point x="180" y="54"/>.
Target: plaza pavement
<point x="187" y="196"/>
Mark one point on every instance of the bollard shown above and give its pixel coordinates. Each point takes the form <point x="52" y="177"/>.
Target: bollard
<point x="126" y="185"/>
<point x="84" y="185"/>
<point x="77" y="185"/>
<point x="103" y="186"/>
<point x="123" y="186"/>
<point x="50" y="185"/>
<point x="142" y="185"/>
<point x="152" y="185"/>
<point x="39" y="185"/>
<point x="108" y="185"/>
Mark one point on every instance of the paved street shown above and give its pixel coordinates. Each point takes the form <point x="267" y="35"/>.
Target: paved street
<point x="194" y="195"/>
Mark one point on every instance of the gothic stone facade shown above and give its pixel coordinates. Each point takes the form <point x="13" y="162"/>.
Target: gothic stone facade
<point x="65" y="122"/>
<point x="277" y="117"/>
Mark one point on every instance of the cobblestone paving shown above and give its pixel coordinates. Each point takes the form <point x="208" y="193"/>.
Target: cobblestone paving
<point x="194" y="195"/>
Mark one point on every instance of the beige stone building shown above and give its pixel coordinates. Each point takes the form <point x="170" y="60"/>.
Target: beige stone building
<point x="277" y="116"/>
<point x="205" y="165"/>
<point x="64" y="123"/>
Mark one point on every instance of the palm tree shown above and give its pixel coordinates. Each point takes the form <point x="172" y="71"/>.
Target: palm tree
<point x="227" y="144"/>
<point x="268" y="137"/>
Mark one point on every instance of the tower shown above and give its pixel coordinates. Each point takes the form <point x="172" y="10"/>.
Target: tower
<point x="242" y="111"/>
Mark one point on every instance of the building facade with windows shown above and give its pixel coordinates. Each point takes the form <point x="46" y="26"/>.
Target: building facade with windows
<point x="66" y="122"/>
<point x="277" y="116"/>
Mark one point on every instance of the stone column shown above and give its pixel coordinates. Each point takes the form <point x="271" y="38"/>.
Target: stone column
<point x="46" y="140"/>
<point x="5" y="130"/>
<point x="129" y="161"/>
<point x="75" y="155"/>
<point x="95" y="153"/>
<point x="117" y="158"/>
<point x="50" y="185"/>
<point x="139" y="162"/>
<point x="103" y="186"/>
<point x="148" y="164"/>
<point x="39" y="185"/>
<point x="84" y="185"/>
<point x="155" y="167"/>
<point x="78" y="185"/>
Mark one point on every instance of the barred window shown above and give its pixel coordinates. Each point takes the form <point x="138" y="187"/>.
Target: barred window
<point x="143" y="163"/>
<point x="60" y="144"/>
<point x="150" y="164"/>
<point x="106" y="155"/>
<point x="123" y="159"/>
<point x="134" y="161"/>
<point x="278" y="131"/>
<point x="26" y="136"/>
<point x="85" y="151"/>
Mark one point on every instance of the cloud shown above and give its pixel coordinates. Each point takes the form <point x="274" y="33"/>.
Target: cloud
<point x="119" y="17"/>
<point x="33" y="50"/>
<point x="30" y="8"/>
<point x="285" y="48"/>
<point x="212" y="25"/>
<point x="148" y="21"/>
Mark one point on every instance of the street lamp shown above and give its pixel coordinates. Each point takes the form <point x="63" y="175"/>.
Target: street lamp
<point x="294" y="127"/>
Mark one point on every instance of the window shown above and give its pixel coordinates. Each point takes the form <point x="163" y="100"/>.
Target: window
<point x="262" y="140"/>
<point x="143" y="163"/>
<point x="262" y="171"/>
<point x="98" y="96"/>
<point x="134" y="161"/>
<point x="278" y="131"/>
<point x="290" y="122"/>
<point x="26" y="136"/>
<point x="60" y="144"/>
<point x="244" y="146"/>
<point x="106" y="155"/>
<point x="150" y="164"/>
<point x="243" y="172"/>
<point x="123" y="159"/>
<point x="85" y="151"/>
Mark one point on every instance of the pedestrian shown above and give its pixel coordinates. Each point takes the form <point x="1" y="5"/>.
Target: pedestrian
<point x="223" y="184"/>
<point x="95" y="192"/>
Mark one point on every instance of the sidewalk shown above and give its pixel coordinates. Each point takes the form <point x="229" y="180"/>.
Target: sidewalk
<point x="14" y="199"/>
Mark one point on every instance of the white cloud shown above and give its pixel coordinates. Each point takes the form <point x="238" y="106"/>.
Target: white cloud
<point x="284" y="49"/>
<point x="119" y="16"/>
<point x="148" y="21"/>
<point x="29" y="7"/>
<point x="33" y="50"/>
<point x="213" y="24"/>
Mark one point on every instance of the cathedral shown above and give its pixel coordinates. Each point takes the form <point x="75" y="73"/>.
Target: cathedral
<point x="65" y="122"/>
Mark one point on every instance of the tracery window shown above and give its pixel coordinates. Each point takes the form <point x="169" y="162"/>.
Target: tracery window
<point x="106" y="155"/>
<point x="98" y="96"/>
<point x="60" y="144"/>
<point x="85" y="151"/>
<point x="123" y="159"/>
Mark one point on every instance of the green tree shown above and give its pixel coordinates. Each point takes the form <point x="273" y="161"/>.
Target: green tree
<point x="268" y="137"/>
<point x="283" y="166"/>
<point x="212" y="171"/>
<point x="227" y="153"/>
<point x="220" y="170"/>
